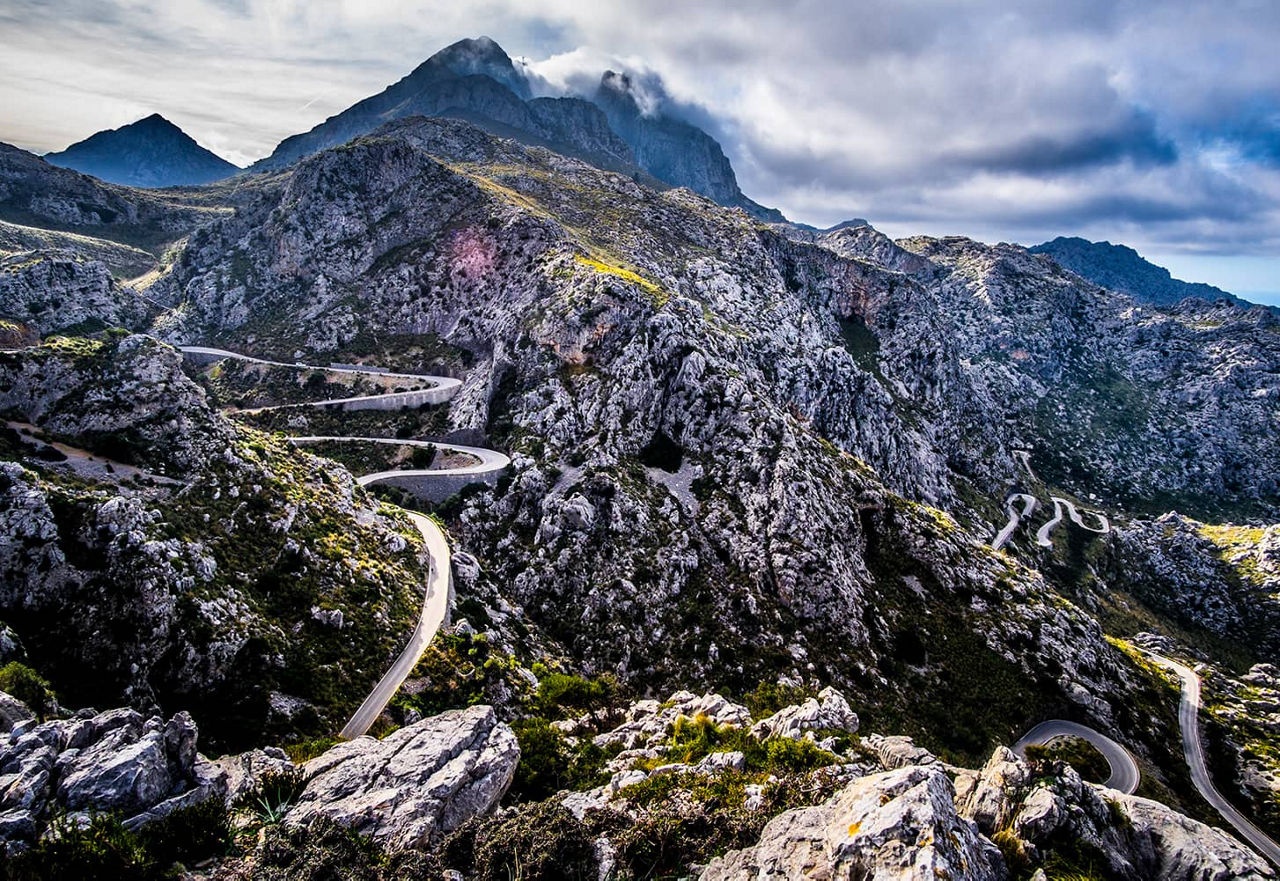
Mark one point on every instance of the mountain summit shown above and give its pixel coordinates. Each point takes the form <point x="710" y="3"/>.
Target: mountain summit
<point x="152" y="152"/>
<point x="476" y="81"/>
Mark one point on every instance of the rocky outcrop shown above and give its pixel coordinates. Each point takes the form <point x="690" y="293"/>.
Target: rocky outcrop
<point x="415" y="785"/>
<point x="829" y="712"/>
<point x="648" y="722"/>
<point x="125" y="396"/>
<point x="246" y="770"/>
<point x="59" y="290"/>
<point x="118" y="761"/>
<point x="1135" y="837"/>
<point x="12" y="712"/>
<point x="885" y="827"/>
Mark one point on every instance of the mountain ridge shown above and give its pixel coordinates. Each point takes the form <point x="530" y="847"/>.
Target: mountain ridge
<point x="1121" y="268"/>
<point x="475" y="80"/>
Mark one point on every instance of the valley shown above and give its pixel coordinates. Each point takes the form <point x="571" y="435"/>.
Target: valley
<point x="487" y="482"/>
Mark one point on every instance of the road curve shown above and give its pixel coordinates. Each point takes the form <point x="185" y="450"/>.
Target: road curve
<point x="434" y="609"/>
<point x="1193" y="753"/>
<point x="1124" y="770"/>
<point x="432" y="390"/>
<point x="1028" y="506"/>
<point x="490" y="462"/>
<point x="435" y="606"/>
<point x="1061" y="505"/>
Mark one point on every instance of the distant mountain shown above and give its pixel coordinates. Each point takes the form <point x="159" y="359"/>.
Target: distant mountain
<point x="152" y="152"/>
<point x="1121" y="268"/>
<point x="475" y="80"/>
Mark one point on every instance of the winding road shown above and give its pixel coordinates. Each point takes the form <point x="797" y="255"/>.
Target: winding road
<point x="1193" y="753"/>
<point x="1124" y="769"/>
<point x="1028" y="506"/>
<point x="435" y="606"/>
<point x="1042" y="535"/>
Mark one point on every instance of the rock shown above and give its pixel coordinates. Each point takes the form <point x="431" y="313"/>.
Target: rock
<point x="648" y="723"/>
<point x="898" y="751"/>
<point x="117" y="761"/>
<point x="12" y="711"/>
<point x="894" y="826"/>
<point x="990" y="797"/>
<point x="418" y="783"/>
<point x="828" y="711"/>
<point x="245" y="770"/>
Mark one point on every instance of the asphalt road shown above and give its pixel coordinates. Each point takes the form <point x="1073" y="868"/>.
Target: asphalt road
<point x="434" y="609"/>
<point x="435" y="606"/>
<point x="1061" y="505"/>
<point x="1028" y="506"/>
<point x="1193" y="753"/>
<point x="1124" y="770"/>
<point x="490" y="460"/>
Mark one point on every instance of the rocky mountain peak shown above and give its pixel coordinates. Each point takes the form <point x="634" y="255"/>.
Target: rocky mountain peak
<point x="478" y="56"/>
<point x="152" y="152"/>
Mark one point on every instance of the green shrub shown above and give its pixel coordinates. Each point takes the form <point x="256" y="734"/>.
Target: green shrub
<point x="548" y="763"/>
<point x="561" y="692"/>
<point x="786" y="756"/>
<point x="306" y="750"/>
<point x="273" y="795"/>
<point x="541" y="842"/>
<point x="190" y="834"/>
<point x="327" y="851"/>
<point x="103" y="850"/>
<point x="27" y="686"/>
<point x="769" y="697"/>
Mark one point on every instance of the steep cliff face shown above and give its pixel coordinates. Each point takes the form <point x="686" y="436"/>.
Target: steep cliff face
<point x="61" y="290"/>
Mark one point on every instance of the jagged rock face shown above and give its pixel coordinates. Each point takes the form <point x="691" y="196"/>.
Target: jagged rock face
<point x="151" y="152"/>
<point x="1224" y="579"/>
<point x="416" y="784"/>
<point x="118" y="761"/>
<point x="59" y="290"/>
<point x="1120" y="268"/>
<point x="673" y="150"/>
<point x="896" y="825"/>
<point x="680" y="497"/>
<point x="126" y="396"/>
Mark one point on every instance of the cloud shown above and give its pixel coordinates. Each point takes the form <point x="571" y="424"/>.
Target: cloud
<point x="1156" y="124"/>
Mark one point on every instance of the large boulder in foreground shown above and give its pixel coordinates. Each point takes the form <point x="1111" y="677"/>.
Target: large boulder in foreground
<point x="418" y="783"/>
<point x="900" y="825"/>
<point x="118" y="761"/>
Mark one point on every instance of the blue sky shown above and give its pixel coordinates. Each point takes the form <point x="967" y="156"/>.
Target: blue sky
<point x="1152" y="124"/>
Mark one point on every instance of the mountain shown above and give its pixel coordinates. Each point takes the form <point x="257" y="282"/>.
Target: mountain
<point x="733" y="599"/>
<point x="1121" y="268"/>
<point x="44" y="197"/>
<point x="152" y="152"/>
<point x="475" y="80"/>
<point x="673" y="150"/>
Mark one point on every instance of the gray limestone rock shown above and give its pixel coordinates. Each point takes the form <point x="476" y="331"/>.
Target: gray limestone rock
<point x="418" y="783"/>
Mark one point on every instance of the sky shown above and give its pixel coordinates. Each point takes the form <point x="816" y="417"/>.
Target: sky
<point x="1152" y="124"/>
